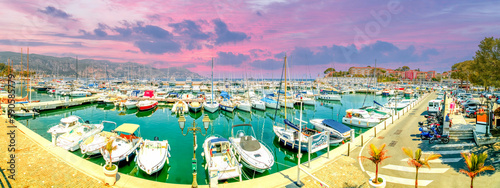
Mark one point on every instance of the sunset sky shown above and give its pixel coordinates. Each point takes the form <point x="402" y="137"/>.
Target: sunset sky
<point x="253" y="36"/>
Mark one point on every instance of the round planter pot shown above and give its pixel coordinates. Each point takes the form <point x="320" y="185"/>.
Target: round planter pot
<point x="110" y="175"/>
<point x="379" y="185"/>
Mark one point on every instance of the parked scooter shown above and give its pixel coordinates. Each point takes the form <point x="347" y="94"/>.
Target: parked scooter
<point x="436" y="136"/>
<point x="424" y="133"/>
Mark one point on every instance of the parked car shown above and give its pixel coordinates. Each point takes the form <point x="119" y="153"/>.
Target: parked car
<point x="470" y="103"/>
<point x="471" y="111"/>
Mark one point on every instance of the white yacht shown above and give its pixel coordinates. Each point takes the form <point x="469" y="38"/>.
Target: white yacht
<point x="126" y="143"/>
<point x="221" y="162"/>
<point x="360" y="118"/>
<point x="71" y="140"/>
<point x="252" y="153"/>
<point x="152" y="155"/>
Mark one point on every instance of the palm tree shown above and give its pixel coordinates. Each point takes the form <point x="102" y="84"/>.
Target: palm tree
<point x="110" y="148"/>
<point x="377" y="155"/>
<point x="418" y="161"/>
<point x="475" y="165"/>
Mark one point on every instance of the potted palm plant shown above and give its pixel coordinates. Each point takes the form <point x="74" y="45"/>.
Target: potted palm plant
<point x="475" y="165"/>
<point x="110" y="170"/>
<point x="377" y="155"/>
<point x="417" y="161"/>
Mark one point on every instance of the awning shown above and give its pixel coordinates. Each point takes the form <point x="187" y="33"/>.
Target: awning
<point x="127" y="128"/>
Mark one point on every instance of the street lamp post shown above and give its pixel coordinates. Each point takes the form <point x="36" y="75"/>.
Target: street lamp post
<point x="194" y="129"/>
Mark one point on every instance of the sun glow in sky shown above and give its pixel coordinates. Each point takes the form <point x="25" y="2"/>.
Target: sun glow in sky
<point x="253" y="36"/>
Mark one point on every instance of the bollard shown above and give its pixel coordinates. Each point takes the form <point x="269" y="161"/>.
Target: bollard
<point x="375" y="131"/>
<point x="361" y="140"/>
<point x="385" y="125"/>
<point x="348" y="148"/>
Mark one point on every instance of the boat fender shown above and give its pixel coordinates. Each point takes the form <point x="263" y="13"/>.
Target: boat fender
<point x="351" y="121"/>
<point x="126" y="158"/>
<point x="359" y="122"/>
<point x="367" y="124"/>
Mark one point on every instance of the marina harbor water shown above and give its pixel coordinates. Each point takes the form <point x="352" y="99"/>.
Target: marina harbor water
<point x="162" y="122"/>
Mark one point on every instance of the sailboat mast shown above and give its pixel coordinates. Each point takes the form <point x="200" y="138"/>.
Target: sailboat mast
<point x="21" y="72"/>
<point x="76" y="68"/>
<point x="285" y="87"/>
<point x="212" y="81"/>
<point x="29" y="75"/>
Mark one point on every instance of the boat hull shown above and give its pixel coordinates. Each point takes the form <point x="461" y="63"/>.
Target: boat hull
<point x="147" y="107"/>
<point x="227" y="108"/>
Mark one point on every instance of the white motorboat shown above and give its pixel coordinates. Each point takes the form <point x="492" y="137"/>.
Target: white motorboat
<point x="244" y="106"/>
<point x="26" y="113"/>
<point x="71" y="140"/>
<point x="330" y="97"/>
<point x="196" y="88"/>
<point x="79" y="93"/>
<point x="146" y="105"/>
<point x="221" y="162"/>
<point x="92" y="145"/>
<point x="249" y="151"/>
<point x="180" y="107"/>
<point x="186" y="88"/>
<point x="125" y="144"/>
<point x="65" y="125"/>
<point x="203" y="88"/>
<point x="131" y="103"/>
<point x="360" y="118"/>
<point x="153" y="155"/>
<point x="258" y="104"/>
<point x="338" y="131"/>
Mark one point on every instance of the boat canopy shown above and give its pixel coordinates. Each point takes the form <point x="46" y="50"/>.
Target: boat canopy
<point x="215" y="140"/>
<point x="224" y="95"/>
<point x="336" y="125"/>
<point x="149" y="93"/>
<point x="127" y="128"/>
<point x="135" y="93"/>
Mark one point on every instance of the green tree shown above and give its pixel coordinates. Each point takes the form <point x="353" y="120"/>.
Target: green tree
<point x="417" y="161"/>
<point x="405" y="68"/>
<point x="329" y="70"/>
<point x="475" y="165"/>
<point x="462" y="71"/>
<point x="487" y="62"/>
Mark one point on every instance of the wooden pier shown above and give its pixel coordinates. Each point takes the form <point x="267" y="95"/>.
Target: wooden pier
<point x="50" y="105"/>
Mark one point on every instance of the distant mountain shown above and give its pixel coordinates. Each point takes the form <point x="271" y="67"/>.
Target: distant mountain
<point x="67" y="66"/>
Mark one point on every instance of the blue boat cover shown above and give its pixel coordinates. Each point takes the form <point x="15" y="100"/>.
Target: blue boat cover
<point x="218" y="139"/>
<point x="336" y="125"/>
<point x="224" y="94"/>
<point x="377" y="103"/>
<point x="268" y="100"/>
<point x="289" y="123"/>
<point x="135" y="93"/>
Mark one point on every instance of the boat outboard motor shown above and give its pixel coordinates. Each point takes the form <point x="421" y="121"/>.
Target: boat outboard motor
<point x="156" y="138"/>
<point x="87" y="122"/>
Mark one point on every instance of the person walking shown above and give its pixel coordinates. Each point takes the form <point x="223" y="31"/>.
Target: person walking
<point x="452" y="107"/>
